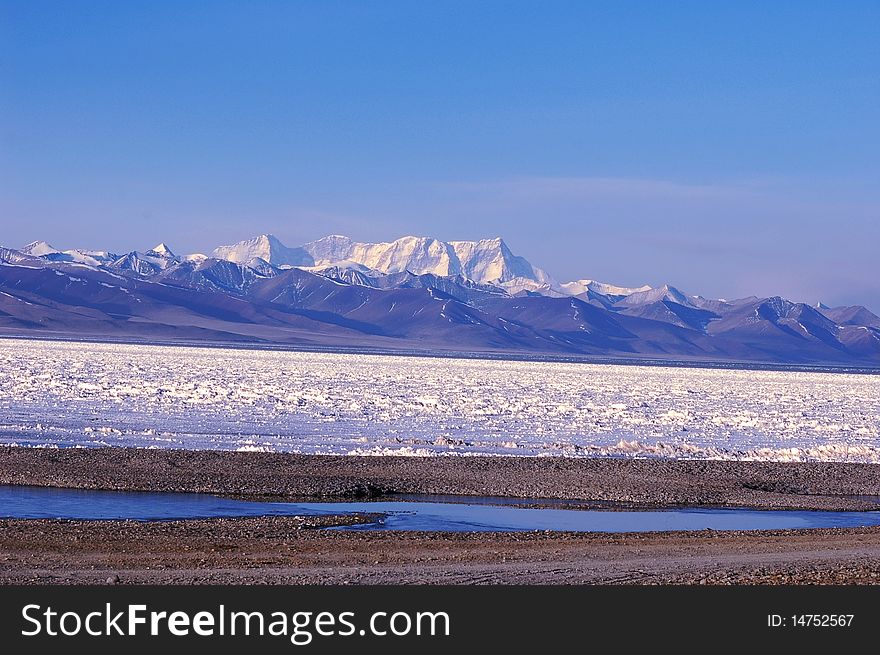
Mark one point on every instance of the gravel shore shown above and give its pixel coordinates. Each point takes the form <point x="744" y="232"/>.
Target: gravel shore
<point x="642" y="483"/>
<point x="288" y="550"/>
<point x="293" y="550"/>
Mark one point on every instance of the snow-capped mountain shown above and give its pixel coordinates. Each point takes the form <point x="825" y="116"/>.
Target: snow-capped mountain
<point x="161" y="251"/>
<point x="330" y="250"/>
<point x="488" y="261"/>
<point x="154" y="260"/>
<point x="19" y="257"/>
<point x="583" y="286"/>
<point x="646" y="296"/>
<point x="38" y="249"/>
<point x="87" y="257"/>
<point x="265" y="247"/>
<point x="214" y="275"/>
<point x="411" y="293"/>
<point x="597" y="293"/>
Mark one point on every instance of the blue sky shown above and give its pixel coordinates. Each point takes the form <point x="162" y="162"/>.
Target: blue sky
<point x="728" y="148"/>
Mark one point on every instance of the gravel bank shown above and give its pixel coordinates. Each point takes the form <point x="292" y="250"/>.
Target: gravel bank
<point x="292" y="550"/>
<point x="642" y="483"/>
<point x="286" y="550"/>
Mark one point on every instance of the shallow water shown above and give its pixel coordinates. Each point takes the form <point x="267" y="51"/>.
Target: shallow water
<point x="463" y="515"/>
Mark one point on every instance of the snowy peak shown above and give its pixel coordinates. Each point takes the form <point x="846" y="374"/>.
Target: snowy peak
<point x="139" y="263"/>
<point x="147" y="263"/>
<point x="214" y="275"/>
<point x="333" y="248"/>
<point x="257" y="248"/>
<point x="454" y="294"/>
<point x="666" y="293"/>
<point x="490" y="260"/>
<point x="266" y="247"/>
<point x="484" y="261"/>
<point x="460" y="269"/>
<point x="50" y="253"/>
<point x="161" y="251"/>
<point x="417" y="255"/>
<point x="38" y="249"/>
<point x="92" y="257"/>
<point x="583" y="286"/>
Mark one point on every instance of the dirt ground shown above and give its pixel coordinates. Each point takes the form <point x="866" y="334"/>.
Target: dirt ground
<point x="289" y="550"/>
<point x="295" y="550"/>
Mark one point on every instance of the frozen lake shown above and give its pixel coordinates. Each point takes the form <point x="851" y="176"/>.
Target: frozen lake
<point x="89" y="394"/>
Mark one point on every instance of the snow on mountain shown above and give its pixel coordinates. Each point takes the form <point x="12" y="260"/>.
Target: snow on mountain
<point x="519" y="286"/>
<point x="330" y="250"/>
<point x="266" y="247"/>
<point x="473" y="273"/>
<point x="161" y="251"/>
<point x="664" y="293"/>
<point x="215" y="274"/>
<point x="455" y="286"/>
<point x="487" y="261"/>
<point x="348" y="275"/>
<point x="344" y="264"/>
<point x="17" y="257"/>
<point x="415" y="292"/>
<point x="92" y="257"/>
<point x="134" y="262"/>
<point x="38" y="249"/>
<point x="147" y="263"/>
<point x="415" y="254"/>
<point x="260" y="265"/>
<point x="578" y="287"/>
<point x="490" y="260"/>
<point x="50" y="253"/>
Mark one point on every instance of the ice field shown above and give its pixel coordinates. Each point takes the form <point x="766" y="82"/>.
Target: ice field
<point x="90" y="394"/>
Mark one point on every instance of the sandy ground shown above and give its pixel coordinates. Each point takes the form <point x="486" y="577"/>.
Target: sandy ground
<point x="294" y="550"/>
<point x="290" y="551"/>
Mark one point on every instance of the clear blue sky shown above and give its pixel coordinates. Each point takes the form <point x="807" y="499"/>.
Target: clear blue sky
<point x="728" y="148"/>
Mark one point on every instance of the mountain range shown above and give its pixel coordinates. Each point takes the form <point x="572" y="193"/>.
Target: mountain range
<point x="411" y="294"/>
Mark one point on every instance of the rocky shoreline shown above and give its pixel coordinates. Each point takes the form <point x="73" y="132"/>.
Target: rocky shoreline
<point x="627" y="482"/>
<point x="290" y="550"/>
<point x="295" y="550"/>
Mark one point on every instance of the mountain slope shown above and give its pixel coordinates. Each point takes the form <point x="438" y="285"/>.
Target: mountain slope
<point x="855" y="315"/>
<point x="674" y="313"/>
<point x="157" y="294"/>
<point x="665" y="293"/>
